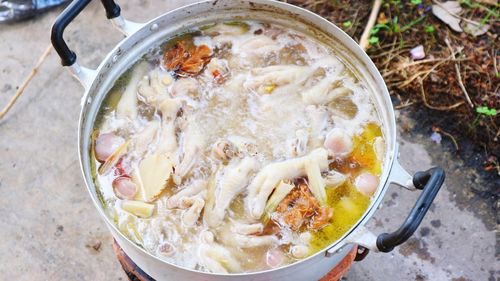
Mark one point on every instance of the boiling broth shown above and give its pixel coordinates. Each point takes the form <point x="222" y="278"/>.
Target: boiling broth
<point x="237" y="147"/>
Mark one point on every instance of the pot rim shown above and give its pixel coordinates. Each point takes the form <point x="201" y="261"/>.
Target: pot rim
<point x="389" y="136"/>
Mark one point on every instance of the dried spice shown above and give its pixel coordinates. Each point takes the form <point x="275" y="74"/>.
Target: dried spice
<point x="175" y="56"/>
<point x="301" y="210"/>
<point x="187" y="61"/>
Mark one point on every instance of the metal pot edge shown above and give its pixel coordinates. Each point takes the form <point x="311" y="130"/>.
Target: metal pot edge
<point x="326" y="27"/>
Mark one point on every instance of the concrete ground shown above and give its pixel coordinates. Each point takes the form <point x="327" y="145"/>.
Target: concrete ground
<point x="50" y="230"/>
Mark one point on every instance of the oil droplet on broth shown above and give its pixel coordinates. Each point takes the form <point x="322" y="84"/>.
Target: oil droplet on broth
<point x="364" y="152"/>
<point x="348" y="204"/>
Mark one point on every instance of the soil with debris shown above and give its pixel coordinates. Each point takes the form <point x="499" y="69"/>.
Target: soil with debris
<point x="451" y="84"/>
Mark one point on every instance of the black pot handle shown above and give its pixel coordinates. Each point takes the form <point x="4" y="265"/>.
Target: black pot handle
<point x="429" y="182"/>
<point x="68" y="57"/>
<point x="112" y="9"/>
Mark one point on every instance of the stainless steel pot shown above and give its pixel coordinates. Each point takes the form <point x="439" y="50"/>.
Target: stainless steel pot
<point x="141" y="36"/>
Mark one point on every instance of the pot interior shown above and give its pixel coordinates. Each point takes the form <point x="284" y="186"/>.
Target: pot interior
<point x="128" y="51"/>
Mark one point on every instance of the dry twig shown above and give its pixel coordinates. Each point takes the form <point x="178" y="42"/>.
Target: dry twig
<point x="429" y="60"/>
<point x="363" y="42"/>
<point x="494" y="60"/>
<point x="441" y="108"/>
<point x="404" y="104"/>
<point x="406" y="65"/>
<point x="26" y="82"/>
<point x="417" y="75"/>
<point x="459" y="77"/>
<point x="390" y="55"/>
<point x="396" y="53"/>
<point x="455" y="143"/>
<point x="488" y="2"/>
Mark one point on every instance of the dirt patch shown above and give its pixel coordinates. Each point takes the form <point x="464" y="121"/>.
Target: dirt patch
<point x="424" y="231"/>
<point x="460" y="279"/>
<point x="431" y="88"/>
<point x="59" y="230"/>
<point x="436" y="223"/>
<point x="94" y="245"/>
<point x="418" y="247"/>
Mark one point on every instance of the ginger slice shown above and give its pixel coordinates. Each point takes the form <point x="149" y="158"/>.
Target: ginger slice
<point x="138" y="208"/>
<point x="152" y="175"/>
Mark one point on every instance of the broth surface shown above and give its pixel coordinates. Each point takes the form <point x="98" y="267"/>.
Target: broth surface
<point x="237" y="147"/>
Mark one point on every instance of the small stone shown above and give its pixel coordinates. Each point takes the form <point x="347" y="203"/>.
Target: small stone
<point x="94" y="245"/>
<point x="417" y="53"/>
<point x="6" y="88"/>
<point x="436" y="137"/>
<point x="424" y="231"/>
<point x="59" y="230"/>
